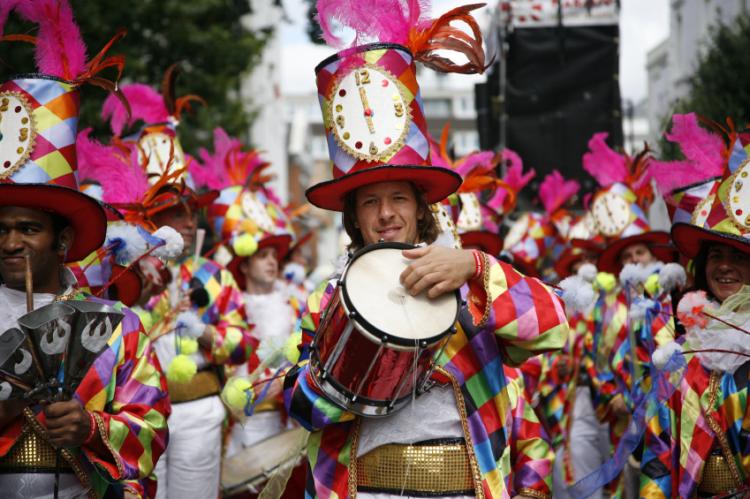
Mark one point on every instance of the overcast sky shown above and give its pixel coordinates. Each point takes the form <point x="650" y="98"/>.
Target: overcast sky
<point x="643" y="24"/>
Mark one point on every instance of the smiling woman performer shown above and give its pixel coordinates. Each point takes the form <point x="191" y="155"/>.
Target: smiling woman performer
<point x="698" y="443"/>
<point x="471" y="432"/>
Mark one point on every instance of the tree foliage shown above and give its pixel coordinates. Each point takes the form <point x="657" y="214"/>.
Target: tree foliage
<point x="718" y="88"/>
<point x="206" y="37"/>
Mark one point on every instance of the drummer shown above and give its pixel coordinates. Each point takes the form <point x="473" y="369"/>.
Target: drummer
<point x="473" y="428"/>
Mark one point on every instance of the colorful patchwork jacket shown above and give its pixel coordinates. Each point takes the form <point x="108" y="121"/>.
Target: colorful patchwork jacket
<point x="127" y="392"/>
<point x="224" y="311"/>
<point x="707" y="410"/>
<point x="509" y="449"/>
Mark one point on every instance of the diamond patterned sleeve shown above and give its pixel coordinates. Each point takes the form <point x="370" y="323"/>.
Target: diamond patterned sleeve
<point x="527" y="317"/>
<point x="126" y="391"/>
<point x="233" y="342"/>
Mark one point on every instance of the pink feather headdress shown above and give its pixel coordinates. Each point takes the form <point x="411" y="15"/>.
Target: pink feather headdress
<point x="406" y="22"/>
<point x="555" y="191"/>
<point x="705" y="155"/>
<point x="60" y="50"/>
<point x="229" y="165"/>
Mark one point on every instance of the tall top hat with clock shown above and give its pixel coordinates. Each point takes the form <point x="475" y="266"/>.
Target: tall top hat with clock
<point x="727" y="219"/>
<point x="155" y="148"/>
<point x="618" y="206"/>
<point x="247" y="215"/>
<point x="372" y="107"/>
<point x="38" y="122"/>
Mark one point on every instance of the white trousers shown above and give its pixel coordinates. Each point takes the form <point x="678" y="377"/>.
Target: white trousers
<point x="191" y="465"/>
<point x="589" y="445"/>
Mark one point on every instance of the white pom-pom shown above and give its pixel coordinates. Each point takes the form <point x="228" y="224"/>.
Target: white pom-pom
<point x="665" y="352"/>
<point x="295" y="272"/>
<point x="577" y="294"/>
<point x="639" y="307"/>
<point x="587" y="272"/>
<point x="190" y="324"/>
<point x="174" y="243"/>
<point x="695" y="300"/>
<point x="630" y="274"/>
<point x="672" y="276"/>
<point x="128" y="244"/>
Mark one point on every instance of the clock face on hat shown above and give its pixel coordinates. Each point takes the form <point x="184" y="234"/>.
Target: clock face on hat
<point x="611" y="213"/>
<point x="154" y="150"/>
<point x="368" y="113"/>
<point x="584" y="228"/>
<point x="253" y="209"/>
<point x="738" y="197"/>
<point x="17" y="132"/>
<point x="517" y="231"/>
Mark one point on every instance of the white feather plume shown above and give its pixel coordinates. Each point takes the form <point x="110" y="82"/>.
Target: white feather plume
<point x="129" y="244"/>
<point x="639" y="307"/>
<point x="665" y="352"/>
<point x="587" y="272"/>
<point x="578" y="294"/>
<point x="672" y="276"/>
<point x="174" y="243"/>
<point x="190" y="324"/>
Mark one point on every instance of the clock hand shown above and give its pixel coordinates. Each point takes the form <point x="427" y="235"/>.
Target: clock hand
<point x="368" y="111"/>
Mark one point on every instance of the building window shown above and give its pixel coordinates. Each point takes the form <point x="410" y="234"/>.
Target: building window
<point x="437" y="108"/>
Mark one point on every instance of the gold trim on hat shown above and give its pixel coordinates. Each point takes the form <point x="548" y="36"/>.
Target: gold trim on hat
<point x="31" y="134"/>
<point x="398" y="143"/>
<point x="726" y="202"/>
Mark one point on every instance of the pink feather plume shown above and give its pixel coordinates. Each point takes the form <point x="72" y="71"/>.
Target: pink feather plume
<point x="555" y="191"/>
<point x="703" y="151"/>
<point x="514" y="175"/>
<point x="228" y="165"/>
<point x="372" y="21"/>
<point x="122" y="180"/>
<point x="481" y="160"/>
<point x="60" y="50"/>
<point x="605" y="165"/>
<point x="145" y="104"/>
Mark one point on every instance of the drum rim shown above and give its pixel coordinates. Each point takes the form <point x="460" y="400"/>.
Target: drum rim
<point x="377" y="332"/>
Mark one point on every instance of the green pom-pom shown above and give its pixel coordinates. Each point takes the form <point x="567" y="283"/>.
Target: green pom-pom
<point x="238" y="393"/>
<point x="291" y="352"/>
<point x="652" y="284"/>
<point x="181" y="369"/>
<point x="231" y="339"/>
<point x="245" y="245"/>
<point x="606" y="281"/>
<point x="188" y="345"/>
<point x="146" y="319"/>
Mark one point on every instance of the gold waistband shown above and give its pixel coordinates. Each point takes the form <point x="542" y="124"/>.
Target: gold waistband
<point x="203" y="384"/>
<point x="31" y="454"/>
<point x="267" y="405"/>
<point x="717" y="476"/>
<point x="425" y="469"/>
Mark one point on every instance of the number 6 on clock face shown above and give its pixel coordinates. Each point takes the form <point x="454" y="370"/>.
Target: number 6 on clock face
<point x="368" y="113"/>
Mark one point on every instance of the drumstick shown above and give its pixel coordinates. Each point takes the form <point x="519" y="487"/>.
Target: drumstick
<point x="200" y="235"/>
<point x="29" y="285"/>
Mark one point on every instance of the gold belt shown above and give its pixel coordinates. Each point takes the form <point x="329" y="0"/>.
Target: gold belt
<point x="428" y="468"/>
<point x="31" y="454"/>
<point x="717" y="476"/>
<point x="204" y="384"/>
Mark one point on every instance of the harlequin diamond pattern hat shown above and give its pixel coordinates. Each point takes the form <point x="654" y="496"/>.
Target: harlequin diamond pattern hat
<point x="38" y="121"/>
<point x="370" y="99"/>
<point x="727" y="220"/>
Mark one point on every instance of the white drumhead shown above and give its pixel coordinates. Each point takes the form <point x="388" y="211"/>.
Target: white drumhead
<point x="372" y="284"/>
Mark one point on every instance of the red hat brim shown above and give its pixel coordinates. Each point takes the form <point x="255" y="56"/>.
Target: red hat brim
<point x="281" y="243"/>
<point x="690" y="238"/>
<point x="657" y="241"/>
<point x="488" y="242"/>
<point x="435" y="183"/>
<point x="128" y="285"/>
<point x="83" y="212"/>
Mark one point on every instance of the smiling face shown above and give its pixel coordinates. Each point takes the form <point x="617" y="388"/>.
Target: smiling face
<point x="727" y="270"/>
<point x="25" y="231"/>
<point x="387" y="211"/>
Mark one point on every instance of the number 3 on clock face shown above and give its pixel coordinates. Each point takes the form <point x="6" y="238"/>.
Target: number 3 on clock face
<point x="368" y="113"/>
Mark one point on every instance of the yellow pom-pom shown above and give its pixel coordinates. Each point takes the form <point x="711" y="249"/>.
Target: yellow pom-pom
<point x="652" y="284"/>
<point x="291" y="352"/>
<point x="181" y="369"/>
<point x="245" y="245"/>
<point x="146" y="319"/>
<point x="238" y="393"/>
<point x="606" y="281"/>
<point x="188" y="345"/>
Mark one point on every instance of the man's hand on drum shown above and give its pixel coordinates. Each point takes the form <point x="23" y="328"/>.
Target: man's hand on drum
<point x="437" y="270"/>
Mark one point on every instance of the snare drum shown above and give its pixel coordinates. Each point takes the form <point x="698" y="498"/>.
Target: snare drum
<point x="376" y="344"/>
